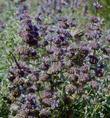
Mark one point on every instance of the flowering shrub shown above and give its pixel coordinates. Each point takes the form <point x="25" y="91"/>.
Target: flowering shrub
<point x="59" y="67"/>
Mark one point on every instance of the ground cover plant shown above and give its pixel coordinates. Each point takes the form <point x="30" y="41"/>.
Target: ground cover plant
<point x="54" y="59"/>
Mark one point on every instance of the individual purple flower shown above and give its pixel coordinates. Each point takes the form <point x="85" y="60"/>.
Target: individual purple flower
<point x="97" y="5"/>
<point x="99" y="72"/>
<point x="55" y="104"/>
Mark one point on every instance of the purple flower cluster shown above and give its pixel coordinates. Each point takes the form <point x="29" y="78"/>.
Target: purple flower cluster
<point x="94" y="29"/>
<point x="29" y="32"/>
<point x="54" y="65"/>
